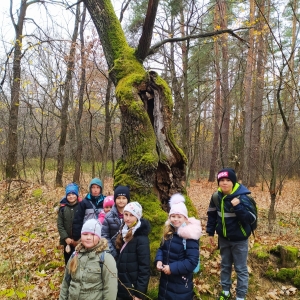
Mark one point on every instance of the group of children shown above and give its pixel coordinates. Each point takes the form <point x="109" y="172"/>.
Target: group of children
<point x="107" y="251"/>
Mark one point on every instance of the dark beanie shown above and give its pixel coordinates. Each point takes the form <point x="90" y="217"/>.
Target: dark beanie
<point x="121" y="190"/>
<point x="227" y="173"/>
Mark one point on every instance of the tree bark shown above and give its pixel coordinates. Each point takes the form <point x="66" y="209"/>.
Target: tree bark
<point x="151" y="163"/>
<point x="65" y="103"/>
<point x="217" y="107"/>
<point x="248" y="101"/>
<point x="225" y="119"/>
<point x="258" y="98"/>
<point x="11" y="164"/>
<point x="79" y="142"/>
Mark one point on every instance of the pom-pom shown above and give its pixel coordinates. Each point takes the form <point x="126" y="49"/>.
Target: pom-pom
<point x="176" y="198"/>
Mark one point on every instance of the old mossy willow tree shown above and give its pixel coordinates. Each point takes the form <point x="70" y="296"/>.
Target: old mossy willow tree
<point x="152" y="164"/>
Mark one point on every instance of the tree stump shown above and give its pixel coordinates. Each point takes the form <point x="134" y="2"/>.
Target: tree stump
<point x="289" y="256"/>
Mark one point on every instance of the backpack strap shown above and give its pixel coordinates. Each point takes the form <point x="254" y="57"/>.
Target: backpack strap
<point x="96" y="210"/>
<point x="215" y="198"/>
<point x="101" y="261"/>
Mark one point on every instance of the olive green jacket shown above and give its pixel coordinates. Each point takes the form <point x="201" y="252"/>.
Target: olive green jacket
<point x="90" y="281"/>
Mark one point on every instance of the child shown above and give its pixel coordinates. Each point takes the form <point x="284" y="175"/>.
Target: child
<point x="232" y="220"/>
<point x="91" y="272"/>
<point x="178" y="254"/>
<point x="68" y="206"/>
<point x="89" y="207"/>
<point x="113" y="220"/>
<point x="108" y="203"/>
<point x="133" y="262"/>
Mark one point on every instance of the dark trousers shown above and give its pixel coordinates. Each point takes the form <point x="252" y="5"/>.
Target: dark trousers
<point x="68" y="255"/>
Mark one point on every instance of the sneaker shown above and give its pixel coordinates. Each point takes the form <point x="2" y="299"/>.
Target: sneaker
<point x="223" y="296"/>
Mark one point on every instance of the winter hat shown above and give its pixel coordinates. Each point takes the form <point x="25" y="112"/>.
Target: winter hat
<point x="121" y="190"/>
<point x="92" y="226"/>
<point x="108" y="201"/>
<point x="227" y="173"/>
<point x="134" y="208"/>
<point x="96" y="181"/>
<point x="72" y="188"/>
<point x="177" y="205"/>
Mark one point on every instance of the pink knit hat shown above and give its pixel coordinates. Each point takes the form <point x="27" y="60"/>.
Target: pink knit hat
<point x="177" y="205"/>
<point x="108" y="201"/>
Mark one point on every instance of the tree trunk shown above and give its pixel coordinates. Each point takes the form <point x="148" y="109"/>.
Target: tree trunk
<point x="217" y="107"/>
<point x="151" y="162"/>
<point x="108" y="116"/>
<point x="248" y="100"/>
<point x="65" y="103"/>
<point x="258" y="99"/>
<point x="78" y="152"/>
<point x="225" y="119"/>
<point x="12" y="156"/>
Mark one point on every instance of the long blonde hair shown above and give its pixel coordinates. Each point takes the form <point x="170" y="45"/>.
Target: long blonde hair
<point x="103" y="244"/>
<point x="168" y="231"/>
<point x="119" y="239"/>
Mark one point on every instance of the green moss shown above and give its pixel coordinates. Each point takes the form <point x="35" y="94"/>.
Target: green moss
<point x="153" y="212"/>
<point x="262" y="255"/>
<point x="285" y="274"/>
<point x="37" y="193"/>
<point x="292" y="252"/>
<point x="53" y="265"/>
<point x="270" y="273"/>
<point x="296" y="280"/>
<point x="260" y="251"/>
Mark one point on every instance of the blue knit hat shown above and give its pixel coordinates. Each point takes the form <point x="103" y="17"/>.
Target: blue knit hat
<point x="227" y="173"/>
<point x="72" y="188"/>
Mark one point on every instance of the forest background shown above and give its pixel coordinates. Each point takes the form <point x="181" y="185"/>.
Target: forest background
<point x="232" y="69"/>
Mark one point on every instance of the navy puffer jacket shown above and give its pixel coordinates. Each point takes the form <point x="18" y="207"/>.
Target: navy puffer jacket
<point x="179" y="284"/>
<point x="133" y="264"/>
<point x="231" y="222"/>
<point x="110" y="229"/>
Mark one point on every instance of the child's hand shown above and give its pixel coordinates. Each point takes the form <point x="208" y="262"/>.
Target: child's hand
<point x="159" y="265"/>
<point x="68" y="241"/>
<point x="136" y="298"/>
<point x="166" y="269"/>
<point x="75" y="243"/>
<point x="235" y="201"/>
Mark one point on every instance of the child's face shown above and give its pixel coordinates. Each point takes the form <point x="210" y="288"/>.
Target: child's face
<point x="95" y="190"/>
<point x="72" y="198"/>
<point x="89" y="240"/>
<point x="129" y="218"/>
<point x="177" y="220"/>
<point x="121" y="202"/>
<point x="226" y="185"/>
<point x="107" y="209"/>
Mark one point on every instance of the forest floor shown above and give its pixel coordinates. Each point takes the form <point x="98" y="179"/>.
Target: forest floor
<point x="31" y="262"/>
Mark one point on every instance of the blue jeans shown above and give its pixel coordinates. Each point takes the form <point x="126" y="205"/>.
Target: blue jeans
<point x="234" y="252"/>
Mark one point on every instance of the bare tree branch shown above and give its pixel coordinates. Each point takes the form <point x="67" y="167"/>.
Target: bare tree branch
<point x="153" y="49"/>
<point x="146" y="37"/>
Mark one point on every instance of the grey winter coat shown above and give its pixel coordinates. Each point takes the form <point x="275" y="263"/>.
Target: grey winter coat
<point x="110" y="229"/>
<point x="90" y="280"/>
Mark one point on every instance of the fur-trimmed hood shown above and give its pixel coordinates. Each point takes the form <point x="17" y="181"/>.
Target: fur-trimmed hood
<point x="192" y="230"/>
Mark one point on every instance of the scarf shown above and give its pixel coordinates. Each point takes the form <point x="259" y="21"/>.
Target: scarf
<point x="126" y="229"/>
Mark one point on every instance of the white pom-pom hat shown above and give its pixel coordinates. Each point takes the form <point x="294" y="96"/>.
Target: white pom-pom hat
<point x="177" y="205"/>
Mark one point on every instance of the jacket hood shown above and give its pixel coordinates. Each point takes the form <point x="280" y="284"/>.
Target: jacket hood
<point x="192" y="230"/>
<point x="241" y="190"/>
<point x="96" y="181"/>
<point x="144" y="229"/>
